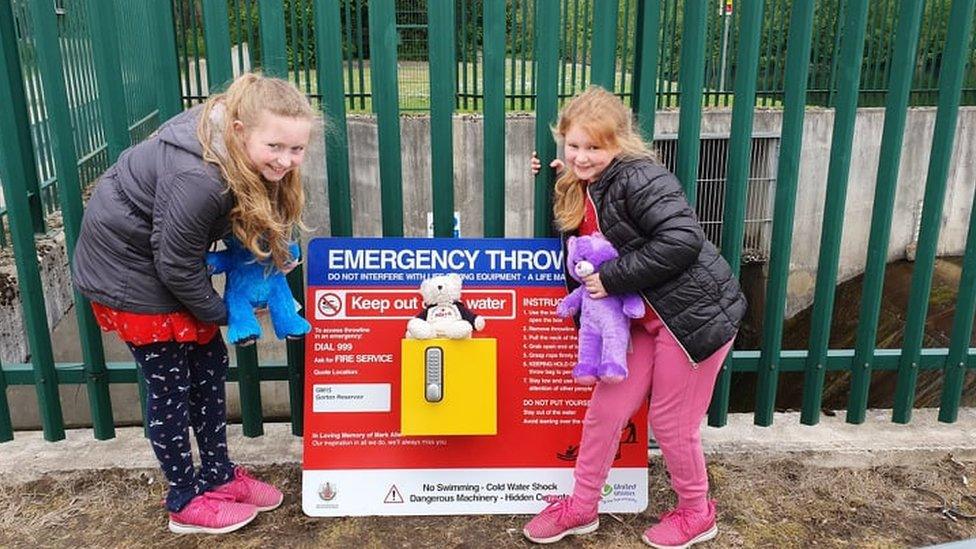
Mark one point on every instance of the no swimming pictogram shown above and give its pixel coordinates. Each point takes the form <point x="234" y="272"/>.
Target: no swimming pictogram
<point x="327" y="305"/>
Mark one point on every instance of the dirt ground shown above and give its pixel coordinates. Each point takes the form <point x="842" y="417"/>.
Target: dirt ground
<point x="783" y="502"/>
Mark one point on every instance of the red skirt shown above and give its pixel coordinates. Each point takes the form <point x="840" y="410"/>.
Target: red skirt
<point x="143" y="329"/>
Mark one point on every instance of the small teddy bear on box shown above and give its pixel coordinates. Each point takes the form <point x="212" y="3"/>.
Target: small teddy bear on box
<point x="250" y="284"/>
<point x="444" y="314"/>
<point x="604" y="333"/>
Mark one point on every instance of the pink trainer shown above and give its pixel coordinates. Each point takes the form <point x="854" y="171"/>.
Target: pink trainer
<point x="681" y="528"/>
<point x="246" y="489"/>
<point x="559" y="519"/>
<point x="211" y="513"/>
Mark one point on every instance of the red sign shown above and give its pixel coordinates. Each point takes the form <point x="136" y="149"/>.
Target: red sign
<point x="352" y="396"/>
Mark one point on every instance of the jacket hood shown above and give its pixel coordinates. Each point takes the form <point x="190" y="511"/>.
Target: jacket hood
<point x="181" y="130"/>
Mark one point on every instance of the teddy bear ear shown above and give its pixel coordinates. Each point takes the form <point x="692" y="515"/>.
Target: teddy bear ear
<point x="455" y="277"/>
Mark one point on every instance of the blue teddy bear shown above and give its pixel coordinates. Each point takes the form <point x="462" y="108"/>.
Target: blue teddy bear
<point x="252" y="284"/>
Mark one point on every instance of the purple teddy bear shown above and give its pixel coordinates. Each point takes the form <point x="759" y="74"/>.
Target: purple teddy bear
<point x="604" y="333"/>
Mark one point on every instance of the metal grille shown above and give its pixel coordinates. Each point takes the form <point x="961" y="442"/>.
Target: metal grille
<point x="710" y="206"/>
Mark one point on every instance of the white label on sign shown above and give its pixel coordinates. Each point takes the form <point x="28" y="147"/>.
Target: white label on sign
<point x="351" y="397"/>
<point x="351" y="493"/>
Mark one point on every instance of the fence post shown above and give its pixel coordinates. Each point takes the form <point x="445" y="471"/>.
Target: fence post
<point x="328" y="47"/>
<point x="546" y="88"/>
<point x="13" y="176"/>
<point x="69" y="188"/>
<point x="494" y="119"/>
<point x="646" y="60"/>
<point x="892" y="137"/>
<point x="295" y="352"/>
<point x="22" y="150"/>
<point x="108" y="71"/>
<point x="954" y="59"/>
<point x="839" y="29"/>
<point x="216" y="36"/>
<point x="832" y="226"/>
<point x="604" y="54"/>
<point x="692" y="78"/>
<point x="737" y="182"/>
<point x="383" y="74"/>
<point x="167" y="65"/>
<point x="797" y="64"/>
<point x="962" y="328"/>
<point x="274" y="63"/>
<point x="274" y="59"/>
<point x="443" y="65"/>
<point x="6" y="426"/>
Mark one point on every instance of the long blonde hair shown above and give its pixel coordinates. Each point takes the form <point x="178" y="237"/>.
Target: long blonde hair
<point x="265" y="214"/>
<point x="603" y="116"/>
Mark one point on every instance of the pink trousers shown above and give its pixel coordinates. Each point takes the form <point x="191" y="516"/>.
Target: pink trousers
<point x="679" y="393"/>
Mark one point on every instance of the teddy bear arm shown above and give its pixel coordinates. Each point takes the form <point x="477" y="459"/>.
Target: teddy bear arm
<point x="419" y="328"/>
<point x="476" y="322"/>
<point x="457" y="329"/>
<point x="570" y="304"/>
<point x="633" y="305"/>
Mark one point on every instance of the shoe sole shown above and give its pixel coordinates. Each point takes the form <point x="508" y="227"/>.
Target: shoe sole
<point x="271" y="507"/>
<point x="579" y="530"/>
<point x="704" y="536"/>
<point x="179" y="528"/>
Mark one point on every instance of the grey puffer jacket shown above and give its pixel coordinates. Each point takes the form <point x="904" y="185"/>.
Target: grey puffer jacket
<point x="642" y="210"/>
<point x="149" y="224"/>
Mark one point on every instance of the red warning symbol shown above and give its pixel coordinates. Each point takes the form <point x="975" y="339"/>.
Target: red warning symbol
<point x="329" y="304"/>
<point x="393" y="496"/>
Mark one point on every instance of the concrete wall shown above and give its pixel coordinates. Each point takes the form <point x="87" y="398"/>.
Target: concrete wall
<point x="520" y="139"/>
<point x="58" y="296"/>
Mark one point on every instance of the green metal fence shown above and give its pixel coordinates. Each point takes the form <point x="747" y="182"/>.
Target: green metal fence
<point x="78" y="36"/>
<point x="346" y="55"/>
<point x="578" y="51"/>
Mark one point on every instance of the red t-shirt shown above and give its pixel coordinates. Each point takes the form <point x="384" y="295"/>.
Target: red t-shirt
<point x="589" y="226"/>
<point x="143" y="329"/>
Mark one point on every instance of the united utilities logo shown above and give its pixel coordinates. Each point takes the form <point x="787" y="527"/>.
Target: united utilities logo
<point x="618" y="491"/>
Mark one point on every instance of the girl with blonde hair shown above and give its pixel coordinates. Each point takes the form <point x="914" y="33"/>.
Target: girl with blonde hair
<point x="228" y="167"/>
<point x="611" y="184"/>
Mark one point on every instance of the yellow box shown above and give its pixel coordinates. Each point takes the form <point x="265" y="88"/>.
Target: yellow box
<point x="464" y="403"/>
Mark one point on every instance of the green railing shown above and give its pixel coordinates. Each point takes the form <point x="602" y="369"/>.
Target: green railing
<point x="540" y="30"/>
<point x="79" y="35"/>
<point x="578" y="52"/>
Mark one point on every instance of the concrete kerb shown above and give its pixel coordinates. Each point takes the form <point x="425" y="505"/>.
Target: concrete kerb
<point x="832" y="443"/>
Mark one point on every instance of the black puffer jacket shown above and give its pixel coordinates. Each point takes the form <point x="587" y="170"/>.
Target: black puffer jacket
<point x="642" y="210"/>
<point x="149" y="223"/>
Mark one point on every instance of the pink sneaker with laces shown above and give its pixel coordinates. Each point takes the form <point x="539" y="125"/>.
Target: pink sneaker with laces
<point x="211" y="513"/>
<point x="246" y="489"/>
<point x="680" y="528"/>
<point x="559" y="519"/>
